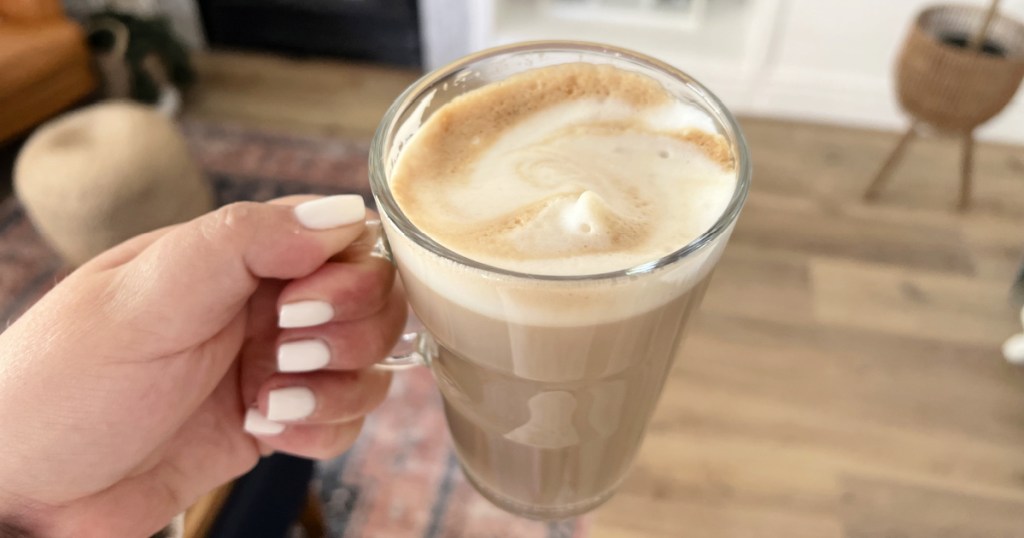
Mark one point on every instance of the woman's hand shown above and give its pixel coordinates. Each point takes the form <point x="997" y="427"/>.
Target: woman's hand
<point x="124" y="391"/>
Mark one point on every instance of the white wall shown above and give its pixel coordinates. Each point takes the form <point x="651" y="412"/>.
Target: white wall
<point x="834" y="62"/>
<point x="443" y="30"/>
<point x="816" y="60"/>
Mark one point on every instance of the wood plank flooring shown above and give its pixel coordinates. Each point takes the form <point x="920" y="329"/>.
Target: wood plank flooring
<point x="843" y="379"/>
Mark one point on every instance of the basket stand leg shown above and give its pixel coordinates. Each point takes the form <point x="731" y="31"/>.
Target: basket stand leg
<point x="886" y="171"/>
<point x="966" y="168"/>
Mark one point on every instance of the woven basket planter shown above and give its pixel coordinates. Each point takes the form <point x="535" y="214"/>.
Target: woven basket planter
<point x="959" y="67"/>
<point x="950" y="87"/>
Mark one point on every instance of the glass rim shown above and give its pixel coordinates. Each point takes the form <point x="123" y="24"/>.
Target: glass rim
<point x="389" y="207"/>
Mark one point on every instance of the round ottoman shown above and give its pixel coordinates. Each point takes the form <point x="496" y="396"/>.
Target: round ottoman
<point x="95" y="177"/>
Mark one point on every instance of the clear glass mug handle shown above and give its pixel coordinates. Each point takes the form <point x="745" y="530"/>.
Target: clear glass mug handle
<point x="415" y="347"/>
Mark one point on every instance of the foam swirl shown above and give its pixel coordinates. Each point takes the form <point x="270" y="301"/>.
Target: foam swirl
<point x="571" y="169"/>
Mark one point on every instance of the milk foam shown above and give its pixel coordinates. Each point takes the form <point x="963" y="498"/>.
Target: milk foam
<point x="594" y="182"/>
<point x="574" y="169"/>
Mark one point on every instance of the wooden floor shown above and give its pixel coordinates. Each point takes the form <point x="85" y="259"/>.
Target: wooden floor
<point x="844" y="378"/>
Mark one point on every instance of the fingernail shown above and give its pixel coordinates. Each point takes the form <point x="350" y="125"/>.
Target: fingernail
<point x="257" y="424"/>
<point x="292" y="403"/>
<point x="303" y="355"/>
<point x="331" y="211"/>
<point x="304" y="314"/>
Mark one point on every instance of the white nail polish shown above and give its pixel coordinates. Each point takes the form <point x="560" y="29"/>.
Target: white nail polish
<point x="305" y="314"/>
<point x="331" y="211"/>
<point x="303" y="355"/>
<point x="257" y="424"/>
<point x="292" y="403"/>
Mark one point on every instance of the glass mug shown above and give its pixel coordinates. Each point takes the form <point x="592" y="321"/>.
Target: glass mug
<point x="548" y="382"/>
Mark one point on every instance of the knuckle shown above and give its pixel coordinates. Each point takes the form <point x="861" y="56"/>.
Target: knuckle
<point x="369" y="286"/>
<point x="358" y="290"/>
<point x="232" y="219"/>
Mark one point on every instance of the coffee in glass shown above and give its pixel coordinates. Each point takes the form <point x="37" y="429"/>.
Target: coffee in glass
<point x="555" y="211"/>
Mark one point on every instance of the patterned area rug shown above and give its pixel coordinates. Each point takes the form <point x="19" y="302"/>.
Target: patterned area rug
<point x="401" y="479"/>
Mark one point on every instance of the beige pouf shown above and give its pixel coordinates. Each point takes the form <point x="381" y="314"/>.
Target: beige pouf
<point x="95" y="177"/>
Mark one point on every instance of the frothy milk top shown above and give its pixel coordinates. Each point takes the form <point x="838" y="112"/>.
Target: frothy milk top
<point x="567" y="170"/>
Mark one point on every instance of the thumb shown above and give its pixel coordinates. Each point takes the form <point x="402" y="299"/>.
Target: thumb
<point x="201" y="273"/>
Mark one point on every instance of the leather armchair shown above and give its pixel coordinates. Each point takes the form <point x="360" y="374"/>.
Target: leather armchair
<point x="45" y="65"/>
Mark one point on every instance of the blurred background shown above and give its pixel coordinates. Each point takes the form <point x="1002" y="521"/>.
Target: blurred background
<point x="850" y="373"/>
<point x="815" y="60"/>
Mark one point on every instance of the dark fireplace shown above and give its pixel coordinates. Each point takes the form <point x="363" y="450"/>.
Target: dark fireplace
<point x="372" y="30"/>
